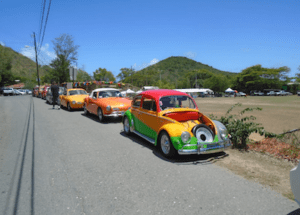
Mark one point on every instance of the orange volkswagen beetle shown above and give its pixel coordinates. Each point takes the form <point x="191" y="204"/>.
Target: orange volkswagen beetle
<point x="106" y="102"/>
<point x="73" y="98"/>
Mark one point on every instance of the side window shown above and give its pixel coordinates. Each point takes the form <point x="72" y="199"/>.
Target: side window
<point x="94" y="94"/>
<point x="149" y="104"/>
<point x="137" y="101"/>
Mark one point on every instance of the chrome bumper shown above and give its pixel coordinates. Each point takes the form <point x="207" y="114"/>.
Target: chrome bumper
<point x="211" y="148"/>
<point x="115" y="114"/>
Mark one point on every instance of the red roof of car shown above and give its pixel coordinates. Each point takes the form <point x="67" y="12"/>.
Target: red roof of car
<point x="162" y="92"/>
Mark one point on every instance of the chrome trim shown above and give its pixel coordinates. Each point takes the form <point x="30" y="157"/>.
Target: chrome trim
<point x="223" y="145"/>
<point x="115" y="114"/>
<point x="145" y="137"/>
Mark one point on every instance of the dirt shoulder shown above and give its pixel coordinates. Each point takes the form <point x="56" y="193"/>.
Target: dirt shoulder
<point x="262" y="168"/>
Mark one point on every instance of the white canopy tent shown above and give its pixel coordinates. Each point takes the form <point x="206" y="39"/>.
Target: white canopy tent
<point x="196" y="90"/>
<point x="229" y="90"/>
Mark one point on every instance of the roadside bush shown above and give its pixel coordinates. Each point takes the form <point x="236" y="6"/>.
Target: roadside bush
<point x="240" y="127"/>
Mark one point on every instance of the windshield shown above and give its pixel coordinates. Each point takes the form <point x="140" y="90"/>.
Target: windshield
<point x="176" y="102"/>
<point x="109" y="93"/>
<point x="77" y="92"/>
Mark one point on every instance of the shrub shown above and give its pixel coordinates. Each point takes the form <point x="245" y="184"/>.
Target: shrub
<point x="240" y="127"/>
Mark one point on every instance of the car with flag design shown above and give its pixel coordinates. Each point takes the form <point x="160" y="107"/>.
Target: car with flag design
<point x="73" y="98"/>
<point x="105" y="103"/>
<point x="172" y="121"/>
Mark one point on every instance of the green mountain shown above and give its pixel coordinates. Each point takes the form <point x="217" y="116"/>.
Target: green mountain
<point x="181" y="65"/>
<point x="23" y="66"/>
<point x="175" y="72"/>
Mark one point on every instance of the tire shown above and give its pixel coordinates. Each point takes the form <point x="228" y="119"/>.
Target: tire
<point x="85" y="111"/>
<point x="166" y="146"/>
<point x="203" y="133"/>
<point x="69" y="107"/>
<point x="126" y="126"/>
<point x="100" y="115"/>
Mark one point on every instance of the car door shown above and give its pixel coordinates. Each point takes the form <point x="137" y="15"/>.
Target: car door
<point x="148" y="118"/>
<point x="136" y="111"/>
<point x="92" y="104"/>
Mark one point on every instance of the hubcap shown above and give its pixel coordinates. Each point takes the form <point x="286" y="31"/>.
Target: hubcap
<point x="126" y="125"/>
<point x="100" y="114"/>
<point x="165" y="144"/>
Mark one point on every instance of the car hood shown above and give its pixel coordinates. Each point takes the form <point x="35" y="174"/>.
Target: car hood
<point x="115" y="101"/>
<point x="77" y="98"/>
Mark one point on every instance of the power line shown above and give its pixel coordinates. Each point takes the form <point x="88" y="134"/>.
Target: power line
<point x="42" y="19"/>
<point x="45" y="25"/>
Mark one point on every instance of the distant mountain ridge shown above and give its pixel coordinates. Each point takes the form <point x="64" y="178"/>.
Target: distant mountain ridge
<point x="23" y="66"/>
<point x="181" y="65"/>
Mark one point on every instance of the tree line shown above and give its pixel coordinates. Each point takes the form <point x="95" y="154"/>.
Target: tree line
<point x="171" y="73"/>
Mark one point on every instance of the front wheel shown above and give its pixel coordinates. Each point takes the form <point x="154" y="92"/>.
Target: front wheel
<point x="85" y="111"/>
<point x="126" y="126"/>
<point x="166" y="145"/>
<point x="100" y="115"/>
<point x="69" y="107"/>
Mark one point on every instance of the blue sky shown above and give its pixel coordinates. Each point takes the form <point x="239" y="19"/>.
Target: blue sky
<point x="227" y="35"/>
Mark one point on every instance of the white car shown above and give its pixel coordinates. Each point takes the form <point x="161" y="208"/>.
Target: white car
<point x="271" y="93"/>
<point x="295" y="183"/>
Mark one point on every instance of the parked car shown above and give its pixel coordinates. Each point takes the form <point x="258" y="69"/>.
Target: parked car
<point x="298" y="93"/>
<point x="278" y="93"/>
<point x="259" y="93"/>
<point x="7" y="91"/>
<point x="171" y="120"/>
<point x="106" y="102"/>
<point x="271" y="93"/>
<point x="17" y="92"/>
<point x="44" y="92"/>
<point x="73" y="98"/>
<point x="295" y="183"/>
<point x="35" y="92"/>
<point x="241" y="94"/>
<point x="49" y="96"/>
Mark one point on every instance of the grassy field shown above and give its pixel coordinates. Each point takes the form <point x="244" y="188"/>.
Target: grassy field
<point x="279" y="113"/>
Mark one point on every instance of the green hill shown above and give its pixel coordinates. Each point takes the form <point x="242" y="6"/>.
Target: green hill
<point x="23" y="66"/>
<point x="175" y="72"/>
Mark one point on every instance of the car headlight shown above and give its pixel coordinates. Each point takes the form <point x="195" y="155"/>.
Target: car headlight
<point x="108" y="108"/>
<point x="185" y="136"/>
<point x="223" y="132"/>
<point x="73" y="102"/>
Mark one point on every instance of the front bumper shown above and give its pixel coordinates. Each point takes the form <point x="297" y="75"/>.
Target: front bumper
<point x="77" y="105"/>
<point x="206" y="148"/>
<point x="115" y="114"/>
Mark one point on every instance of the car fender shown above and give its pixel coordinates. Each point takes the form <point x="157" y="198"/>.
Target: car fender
<point x="173" y="130"/>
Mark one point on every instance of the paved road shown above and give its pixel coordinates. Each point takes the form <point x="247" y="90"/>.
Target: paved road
<point x="60" y="162"/>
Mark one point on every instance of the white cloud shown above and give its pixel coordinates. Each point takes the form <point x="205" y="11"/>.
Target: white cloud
<point x="45" y="56"/>
<point x="144" y="65"/>
<point x="2" y="43"/>
<point x="191" y="55"/>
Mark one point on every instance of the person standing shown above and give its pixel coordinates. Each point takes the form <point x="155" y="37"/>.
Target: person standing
<point x="54" y="90"/>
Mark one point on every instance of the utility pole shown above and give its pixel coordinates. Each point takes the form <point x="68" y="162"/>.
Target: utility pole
<point x="36" y="59"/>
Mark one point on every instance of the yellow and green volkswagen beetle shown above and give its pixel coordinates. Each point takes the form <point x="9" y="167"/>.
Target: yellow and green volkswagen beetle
<point x="171" y="120"/>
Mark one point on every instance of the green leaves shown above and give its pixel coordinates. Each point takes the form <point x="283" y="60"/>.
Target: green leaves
<point x="239" y="127"/>
<point x="103" y="75"/>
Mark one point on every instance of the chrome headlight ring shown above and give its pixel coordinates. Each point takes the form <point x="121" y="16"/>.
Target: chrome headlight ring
<point x="108" y="108"/>
<point x="185" y="137"/>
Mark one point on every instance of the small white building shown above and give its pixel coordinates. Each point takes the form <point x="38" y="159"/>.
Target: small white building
<point x="150" y="88"/>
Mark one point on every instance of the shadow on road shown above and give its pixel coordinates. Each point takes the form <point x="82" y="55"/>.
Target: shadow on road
<point x="179" y="159"/>
<point x="295" y="212"/>
<point x="110" y="120"/>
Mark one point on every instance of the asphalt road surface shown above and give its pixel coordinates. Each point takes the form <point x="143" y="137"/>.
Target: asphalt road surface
<point x="60" y="162"/>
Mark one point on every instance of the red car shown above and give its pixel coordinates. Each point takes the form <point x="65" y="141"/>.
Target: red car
<point x="44" y="92"/>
